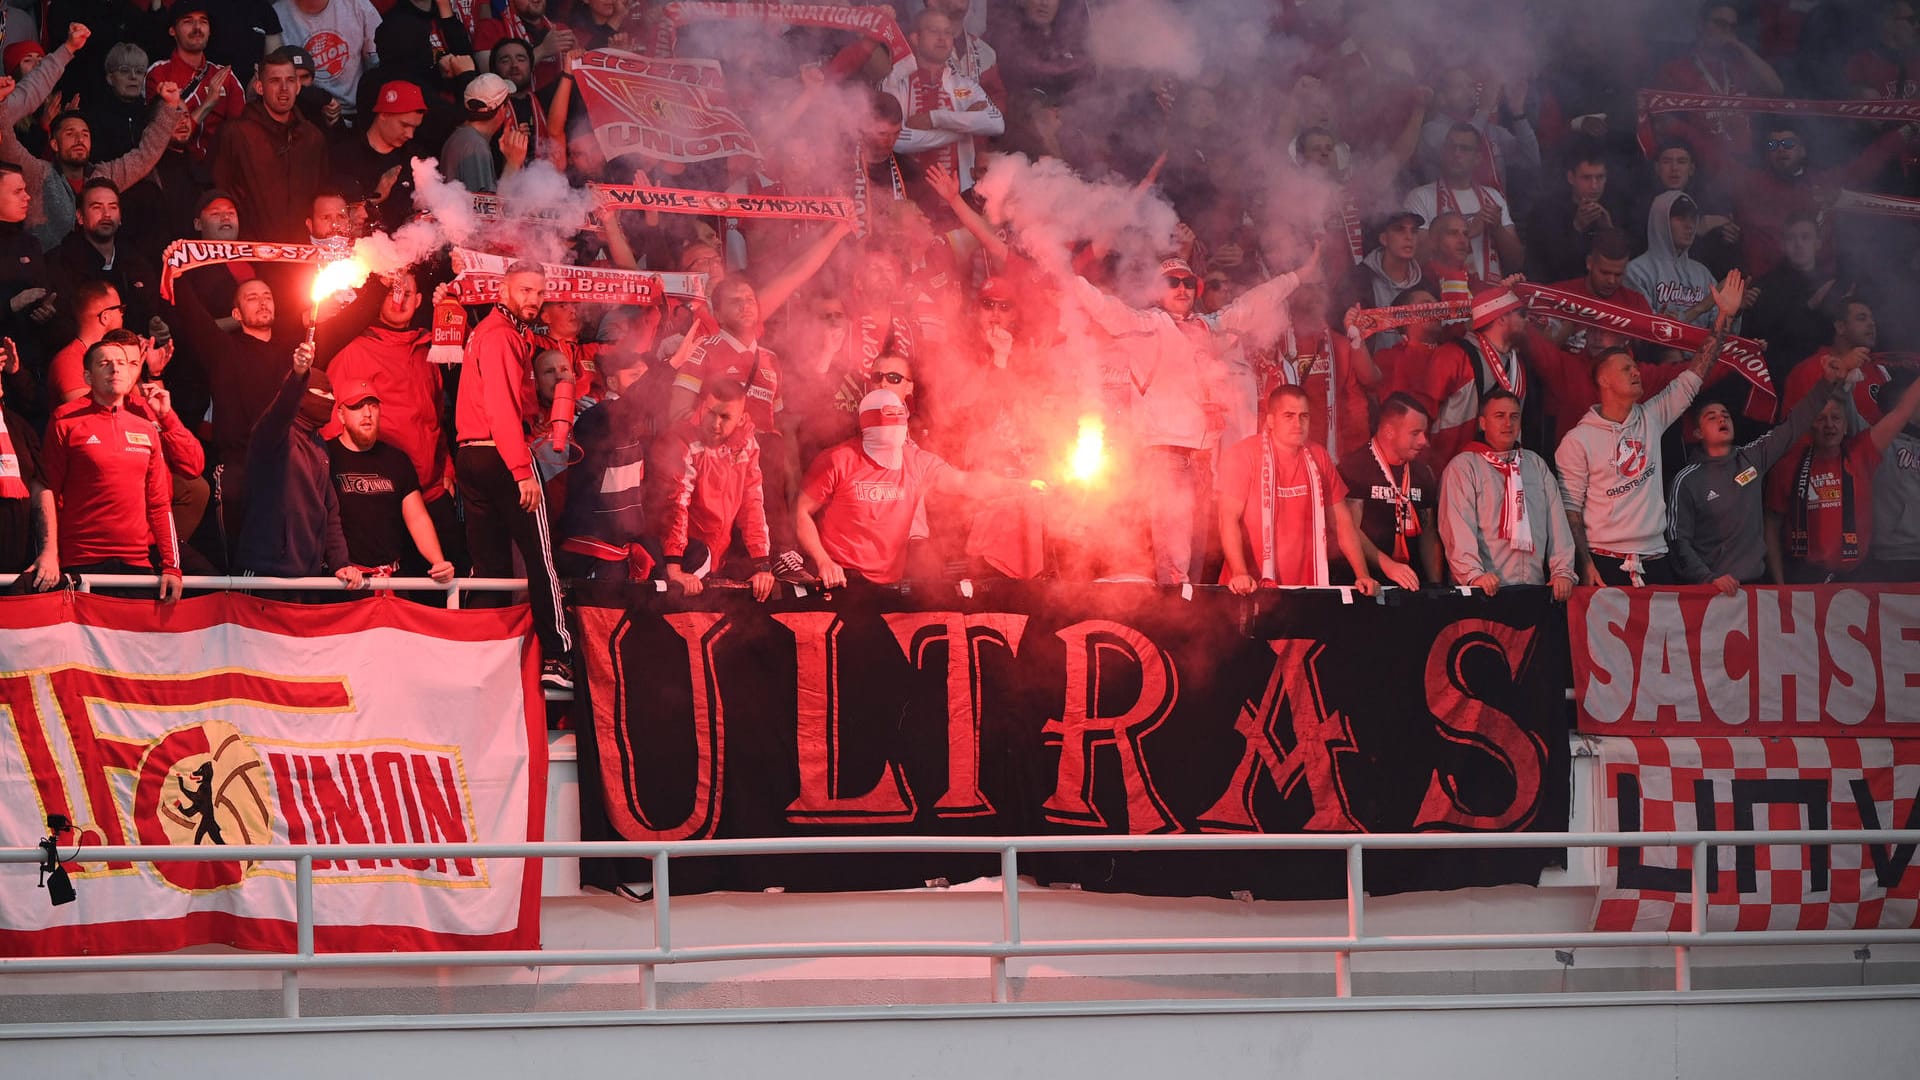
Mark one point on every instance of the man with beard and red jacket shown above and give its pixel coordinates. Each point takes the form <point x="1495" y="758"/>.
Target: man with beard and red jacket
<point x="392" y="356"/>
<point x="494" y="465"/>
<point x="270" y="158"/>
<point x="706" y="481"/>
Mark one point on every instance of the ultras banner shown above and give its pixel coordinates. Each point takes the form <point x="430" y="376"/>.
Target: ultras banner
<point x="231" y="719"/>
<point x="1831" y="660"/>
<point x="1034" y="709"/>
<point x="1738" y="785"/>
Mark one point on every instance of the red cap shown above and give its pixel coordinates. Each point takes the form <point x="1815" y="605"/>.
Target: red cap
<point x="17" y="53"/>
<point x="997" y="289"/>
<point x="399" y="96"/>
<point x="358" y="393"/>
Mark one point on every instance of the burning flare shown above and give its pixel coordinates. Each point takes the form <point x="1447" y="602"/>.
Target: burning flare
<point x="347" y="273"/>
<point x="1089" y="457"/>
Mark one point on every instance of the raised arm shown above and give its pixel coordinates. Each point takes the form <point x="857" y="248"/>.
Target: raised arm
<point x="781" y="287"/>
<point x="1892" y="420"/>
<point x="33" y="88"/>
<point x="129" y="168"/>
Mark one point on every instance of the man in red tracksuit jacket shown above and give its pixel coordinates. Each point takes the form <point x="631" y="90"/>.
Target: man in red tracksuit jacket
<point x="493" y="467"/>
<point x="706" y="479"/>
<point x="108" y="474"/>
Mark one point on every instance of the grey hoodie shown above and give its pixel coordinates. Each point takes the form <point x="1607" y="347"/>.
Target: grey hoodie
<point x="1716" y="524"/>
<point x="1669" y="280"/>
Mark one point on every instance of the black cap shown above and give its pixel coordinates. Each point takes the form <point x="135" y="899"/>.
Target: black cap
<point x="211" y="196"/>
<point x="291" y="54"/>
<point x="183" y="8"/>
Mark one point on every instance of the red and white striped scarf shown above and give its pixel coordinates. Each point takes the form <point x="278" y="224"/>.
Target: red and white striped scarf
<point x="1296" y="369"/>
<point x="924" y="95"/>
<point x="1513" y="382"/>
<point x="13" y="485"/>
<point x="1448" y="204"/>
<point x="1516" y="528"/>
<point x="1269" y="497"/>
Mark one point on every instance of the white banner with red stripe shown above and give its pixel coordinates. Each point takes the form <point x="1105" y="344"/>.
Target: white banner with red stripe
<point x="670" y="109"/>
<point x="232" y="719"/>
<point x="1742" y="785"/>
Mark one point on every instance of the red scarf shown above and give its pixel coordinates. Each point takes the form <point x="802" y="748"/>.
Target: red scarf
<point x="1515" y="526"/>
<point x="924" y="95"/>
<point x="12" y="484"/>
<point x="1514" y="382"/>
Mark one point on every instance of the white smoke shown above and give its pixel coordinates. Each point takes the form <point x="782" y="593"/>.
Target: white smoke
<point x="1051" y="211"/>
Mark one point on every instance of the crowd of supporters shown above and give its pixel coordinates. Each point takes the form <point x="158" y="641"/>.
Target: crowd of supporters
<point x="938" y="390"/>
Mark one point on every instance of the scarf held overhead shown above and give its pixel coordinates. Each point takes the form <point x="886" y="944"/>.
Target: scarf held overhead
<point x="478" y="274"/>
<point x="877" y="23"/>
<point x="1657" y="102"/>
<point x="184" y="255"/>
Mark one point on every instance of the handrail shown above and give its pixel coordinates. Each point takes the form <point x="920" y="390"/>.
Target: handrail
<point x="1011" y="943"/>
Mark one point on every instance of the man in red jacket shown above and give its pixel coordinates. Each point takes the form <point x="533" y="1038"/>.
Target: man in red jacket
<point x="494" y="468"/>
<point x="109" y="478"/>
<point x="707" y="482"/>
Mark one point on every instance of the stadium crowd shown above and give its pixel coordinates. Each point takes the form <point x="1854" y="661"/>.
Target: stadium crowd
<point x="944" y="388"/>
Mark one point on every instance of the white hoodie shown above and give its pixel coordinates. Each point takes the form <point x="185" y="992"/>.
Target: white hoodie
<point x="1610" y="473"/>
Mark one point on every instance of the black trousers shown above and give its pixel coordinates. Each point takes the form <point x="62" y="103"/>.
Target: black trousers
<point x="496" y="526"/>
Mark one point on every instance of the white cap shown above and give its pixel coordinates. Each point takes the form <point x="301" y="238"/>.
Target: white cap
<point x="486" y="92"/>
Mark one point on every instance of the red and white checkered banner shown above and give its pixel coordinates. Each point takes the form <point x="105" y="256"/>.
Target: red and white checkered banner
<point x="669" y="109"/>
<point x="1883" y="205"/>
<point x="478" y="275"/>
<point x="1735" y="785"/>
<point x="231" y="719"/>
<point x="1837" y="660"/>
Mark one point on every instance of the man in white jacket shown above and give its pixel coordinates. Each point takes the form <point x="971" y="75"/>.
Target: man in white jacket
<point x="1610" y="463"/>
<point x="1501" y="515"/>
<point x="944" y="110"/>
<point x="1173" y="359"/>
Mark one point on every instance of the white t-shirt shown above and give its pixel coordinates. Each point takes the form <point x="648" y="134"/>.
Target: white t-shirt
<point x="340" y="38"/>
<point x="1425" y="201"/>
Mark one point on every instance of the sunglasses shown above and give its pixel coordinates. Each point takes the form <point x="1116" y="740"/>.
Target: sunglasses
<point x="1783" y="144"/>
<point x="891" y="378"/>
<point x="996" y="305"/>
<point x="1179" y="282"/>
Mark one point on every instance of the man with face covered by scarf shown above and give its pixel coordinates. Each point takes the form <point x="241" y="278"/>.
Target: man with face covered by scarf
<point x="864" y="492"/>
<point x="292" y="526"/>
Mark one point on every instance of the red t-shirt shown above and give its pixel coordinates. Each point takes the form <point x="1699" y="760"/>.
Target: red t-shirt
<point x="1823" y="499"/>
<point x="67" y="372"/>
<point x="1239" y="475"/>
<point x="1807" y="374"/>
<point x="867" y="512"/>
<point x="232" y="102"/>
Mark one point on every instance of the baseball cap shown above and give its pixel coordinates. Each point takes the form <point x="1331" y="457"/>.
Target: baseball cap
<point x="357" y="393"/>
<point x="301" y="59"/>
<point x="486" y="93"/>
<point x="211" y="196"/>
<point x="1395" y="218"/>
<point x="183" y="8"/>
<point x="1177" y="268"/>
<point x="998" y="290"/>
<point x="400" y="96"/>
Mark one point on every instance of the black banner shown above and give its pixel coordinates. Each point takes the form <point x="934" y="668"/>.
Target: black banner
<point x="1035" y="709"/>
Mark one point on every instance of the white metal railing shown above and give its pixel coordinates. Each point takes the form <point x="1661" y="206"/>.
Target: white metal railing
<point x="224" y="583"/>
<point x="1012" y="943"/>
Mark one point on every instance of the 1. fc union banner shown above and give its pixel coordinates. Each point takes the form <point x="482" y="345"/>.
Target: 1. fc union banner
<point x="230" y="719"/>
<point x="663" y="108"/>
<point x="1835" y="660"/>
<point x="1032" y="709"/>
<point x="1736" y="785"/>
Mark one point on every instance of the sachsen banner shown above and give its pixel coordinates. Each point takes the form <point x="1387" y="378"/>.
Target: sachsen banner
<point x="1740" y="785"/>
<point x="1106" y="709"/>
<point x="231" y="719"/>
<point x="1811" y="660"/>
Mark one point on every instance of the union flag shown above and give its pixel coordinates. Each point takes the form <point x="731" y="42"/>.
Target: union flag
<point x="662" y="109"/>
